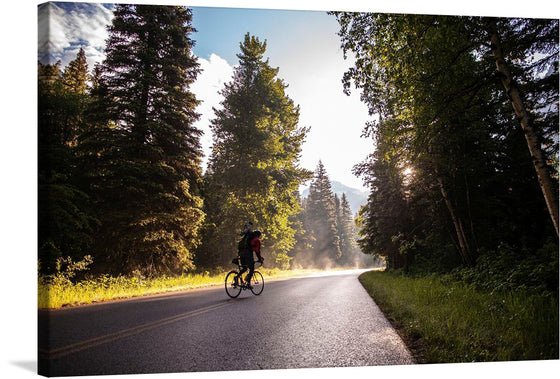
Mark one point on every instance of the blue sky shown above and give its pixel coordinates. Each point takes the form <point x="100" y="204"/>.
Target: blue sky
<point x="220" y="30"/>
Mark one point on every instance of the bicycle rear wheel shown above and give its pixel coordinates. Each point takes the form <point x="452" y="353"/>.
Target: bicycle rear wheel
<point x="257" y="283"/>
<point x="233" y="289"/>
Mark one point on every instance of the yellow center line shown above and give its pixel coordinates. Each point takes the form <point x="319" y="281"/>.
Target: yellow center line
<point x="87" y="344"/>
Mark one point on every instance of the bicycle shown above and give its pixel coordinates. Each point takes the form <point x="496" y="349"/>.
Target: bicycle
<point x="234" y="282"/>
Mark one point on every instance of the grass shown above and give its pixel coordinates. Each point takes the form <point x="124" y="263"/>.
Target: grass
<point x="451" y="322"/>
<point x="61" y="292"/>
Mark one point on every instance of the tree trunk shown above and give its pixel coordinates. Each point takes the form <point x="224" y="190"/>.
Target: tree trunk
<point x="461" y="237"/>
<point x="537" y="155"/>
<point x="471" y="222"/>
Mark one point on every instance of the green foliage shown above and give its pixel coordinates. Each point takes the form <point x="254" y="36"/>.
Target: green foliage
<point x="450" y="168"/>
<point x="65" y="218"/>
<point x="514" y="269"/>
<point x="253" y="172"/>
<point x="67" y="271"/>
<point x="450" y="322"/>
<point x="387" y="211"/>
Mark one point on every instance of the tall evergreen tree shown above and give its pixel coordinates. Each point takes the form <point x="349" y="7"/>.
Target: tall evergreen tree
<point x="338" y="222"/>
<point x="302" y="250"/>
<point x="253" y="172"/>
<point x="347" y="233"/>
<point x="76" y="73"/>
<point x="321" y="219"/>
<point x="142" y="148"/>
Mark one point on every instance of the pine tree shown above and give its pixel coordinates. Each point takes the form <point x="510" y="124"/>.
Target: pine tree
<point x="347" y="233"/>
<point x="142" y="148"/>
<point x="338" y="222"/>
<point x="302" y="251"/>
<point x="253" y="172"/>
<point x="321" y="219"/>
<point x="75" y="74"/>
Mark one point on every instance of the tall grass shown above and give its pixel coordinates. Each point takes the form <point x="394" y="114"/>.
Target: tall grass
<point x="452" y="322"/>
<point x="60" y="290"/>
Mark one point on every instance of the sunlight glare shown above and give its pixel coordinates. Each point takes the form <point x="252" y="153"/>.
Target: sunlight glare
<point x="408" y="171"/>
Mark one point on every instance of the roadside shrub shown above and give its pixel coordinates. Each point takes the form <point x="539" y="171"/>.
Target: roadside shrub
<point x="510" y="268"/>
<point x="67" y="271"/>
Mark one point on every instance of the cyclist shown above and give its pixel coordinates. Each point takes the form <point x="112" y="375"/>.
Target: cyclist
<point x="246" y="256"/>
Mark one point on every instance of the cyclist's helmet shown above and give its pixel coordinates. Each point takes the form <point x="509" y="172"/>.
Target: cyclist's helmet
<point x="257" y="233"/>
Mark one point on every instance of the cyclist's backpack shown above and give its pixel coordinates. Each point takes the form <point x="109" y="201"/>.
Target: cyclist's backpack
<point x="245" y="243"/>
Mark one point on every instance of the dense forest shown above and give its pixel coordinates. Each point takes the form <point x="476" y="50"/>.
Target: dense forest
<point x="465" y="170"/>
<point x="463" y="178"/>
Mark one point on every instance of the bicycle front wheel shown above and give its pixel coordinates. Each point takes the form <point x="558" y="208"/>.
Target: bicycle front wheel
<point x="257" y="282"/>
<point x="233" y="289"/>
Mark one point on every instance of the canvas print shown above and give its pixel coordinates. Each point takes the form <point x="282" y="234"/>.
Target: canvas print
<point x="234" y="189"/>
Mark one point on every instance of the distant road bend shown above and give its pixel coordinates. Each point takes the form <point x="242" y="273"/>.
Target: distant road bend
<point x="327" y="320"/>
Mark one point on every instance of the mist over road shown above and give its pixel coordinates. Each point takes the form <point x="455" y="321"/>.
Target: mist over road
<point x="319" y="321"/>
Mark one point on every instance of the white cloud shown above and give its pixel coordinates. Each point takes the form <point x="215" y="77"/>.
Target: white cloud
<point x="216" y="72"/>
<point x="63" y="30"/>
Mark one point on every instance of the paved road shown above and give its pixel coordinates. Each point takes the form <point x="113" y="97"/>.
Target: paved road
<point x="321" y="321"/>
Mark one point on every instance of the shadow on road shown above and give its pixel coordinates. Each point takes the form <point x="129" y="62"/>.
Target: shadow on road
<point x="235" y="300"/>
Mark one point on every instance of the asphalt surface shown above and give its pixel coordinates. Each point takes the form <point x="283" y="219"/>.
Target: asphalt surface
<point x="312" y="322"/>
